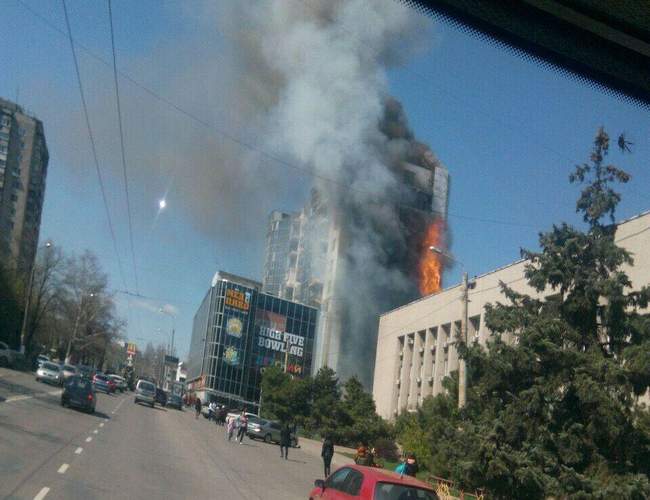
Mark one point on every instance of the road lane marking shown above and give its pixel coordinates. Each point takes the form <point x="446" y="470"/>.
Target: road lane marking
<point x="89" y="439"/>
<point x="102" y="424"/>
<point x="118" y="406"/>
<point x="41" y="494"/>
<point x="17" y="398"/>
<point x="23" y="397"/>
<point x="78" y="450"/>
<point x="95" y="431"/>
<point x="63" y="468"/>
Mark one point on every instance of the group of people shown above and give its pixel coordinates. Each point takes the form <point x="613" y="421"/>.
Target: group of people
<point x="366" y="456"/>
<point x="236" y="425"/>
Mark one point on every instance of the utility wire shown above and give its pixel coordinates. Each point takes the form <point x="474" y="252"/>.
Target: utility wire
<point x="124" y="173"/>
<point x="252" y="147"/>
<point x="92" y="143"/>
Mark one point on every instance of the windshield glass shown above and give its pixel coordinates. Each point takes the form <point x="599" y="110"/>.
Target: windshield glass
<point x="146" y="387"/>
<point x="51" y="367"/>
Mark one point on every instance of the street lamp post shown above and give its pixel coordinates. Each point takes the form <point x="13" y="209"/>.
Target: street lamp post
<point x="28" y="301"/>
<point x="162" y="311"/>
<point x="464" y="297"/>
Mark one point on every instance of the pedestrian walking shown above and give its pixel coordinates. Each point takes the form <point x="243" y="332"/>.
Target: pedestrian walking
<point x="197" y="407"/>
<point x="327" y="452"/>
<point x="243" y="426"/>
<point x="285" y="441"/>
<point x="230" y="427"/>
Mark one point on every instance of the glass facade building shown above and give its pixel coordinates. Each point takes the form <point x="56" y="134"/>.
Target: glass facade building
<point x="237" y="332"/>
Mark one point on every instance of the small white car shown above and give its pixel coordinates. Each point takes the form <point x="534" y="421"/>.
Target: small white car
<point x="49" y="372"/>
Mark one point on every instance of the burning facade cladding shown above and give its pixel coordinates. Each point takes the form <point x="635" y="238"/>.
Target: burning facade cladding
<point x="355" y="261"/>
<point x="238" y="331"/>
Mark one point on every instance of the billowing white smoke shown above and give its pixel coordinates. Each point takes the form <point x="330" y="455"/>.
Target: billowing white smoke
<point x="319" y="70"/>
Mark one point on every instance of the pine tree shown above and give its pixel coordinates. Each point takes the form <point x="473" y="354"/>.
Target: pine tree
<point x="557" y="413"/>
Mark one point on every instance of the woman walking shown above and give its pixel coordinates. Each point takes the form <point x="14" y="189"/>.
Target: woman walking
<point x="327" y="452"/>
<point x="243" y="426"/>
<point x="230" y="427"/>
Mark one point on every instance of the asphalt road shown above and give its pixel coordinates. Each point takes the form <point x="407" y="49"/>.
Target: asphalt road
<point x="132" y="451"/>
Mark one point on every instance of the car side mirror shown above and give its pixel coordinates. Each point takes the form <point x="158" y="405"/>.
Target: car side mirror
<point x="319" y="483"/>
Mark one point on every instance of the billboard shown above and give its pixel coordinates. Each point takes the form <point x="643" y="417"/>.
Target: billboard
<point x="131" y="349"/>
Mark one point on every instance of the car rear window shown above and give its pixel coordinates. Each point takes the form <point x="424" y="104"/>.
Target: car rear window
<point x="51" y="366"/>
<point x="69" y="368"/>
<point x="103" y="378"/>
<point x="392" y="491"/>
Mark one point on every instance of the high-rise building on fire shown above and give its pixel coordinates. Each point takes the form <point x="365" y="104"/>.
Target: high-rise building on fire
<point x="23" y="169"/>
<point x="309" y="256"/>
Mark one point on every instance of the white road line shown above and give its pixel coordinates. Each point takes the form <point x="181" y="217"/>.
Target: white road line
<point x="89" y="439"/>
<point x="95" y="431"/>
<point x="23" y="397"/>
<point x="102" y="424"/>
<point x="17" y="398"/>
<point x="63" y="468"/>
<point x="78" y="450"/>
<point x="41" y="494"/>
<point x="118" y="406"/>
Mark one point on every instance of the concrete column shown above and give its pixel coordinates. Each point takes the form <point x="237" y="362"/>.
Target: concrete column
<point x="429" y="357"/>
<point x="443" y="332"/>
<point x="404" y="387"/>
<point x="415" y="371"/>
<point x="394" y="403"/>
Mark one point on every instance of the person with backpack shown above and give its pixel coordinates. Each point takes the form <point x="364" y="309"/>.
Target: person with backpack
<point x="285" y="441"/>
<point x="327" y="452"/>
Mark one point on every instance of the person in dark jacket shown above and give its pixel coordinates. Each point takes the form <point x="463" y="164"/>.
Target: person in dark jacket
<point x="327" y="452"/>
<point x="411" y="465"/>
<point x="197" y="407"/>
<point x="285" y="441"/>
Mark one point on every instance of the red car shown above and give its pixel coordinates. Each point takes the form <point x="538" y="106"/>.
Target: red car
<point x="370" y="483"/>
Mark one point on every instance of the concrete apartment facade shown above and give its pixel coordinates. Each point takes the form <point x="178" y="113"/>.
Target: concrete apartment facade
<point x="416" y="347"/>
<point x="23" y="171"/>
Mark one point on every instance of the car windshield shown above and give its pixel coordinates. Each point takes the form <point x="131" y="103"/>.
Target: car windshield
<point x="146" y="387"/>
<point x="69" y="368"/>
<point x="102" y="378"/>
<point x="392" y="491"/>
<point x="51" y="366"/>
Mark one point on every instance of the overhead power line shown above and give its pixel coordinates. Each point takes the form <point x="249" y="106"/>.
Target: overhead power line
<point x="248" y="145"/>
<point x="92" y="143"/>
<point x="123" y="154"/>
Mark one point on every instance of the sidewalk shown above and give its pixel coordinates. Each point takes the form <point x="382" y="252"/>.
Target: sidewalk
<point x="313" y="447"/>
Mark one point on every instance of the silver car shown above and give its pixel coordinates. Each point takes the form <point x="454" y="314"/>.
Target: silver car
<point x="119" y="382"/>
<point x="268" y="430"/>
<point x="49" y="372"/>
<point x="68" y="371"/>
<point x="145" y="391"/>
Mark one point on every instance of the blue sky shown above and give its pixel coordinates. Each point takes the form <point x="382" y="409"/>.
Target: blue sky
<point x="508" y="130"/>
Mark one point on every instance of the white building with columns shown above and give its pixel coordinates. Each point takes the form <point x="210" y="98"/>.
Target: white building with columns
<point x="416" y="348"/>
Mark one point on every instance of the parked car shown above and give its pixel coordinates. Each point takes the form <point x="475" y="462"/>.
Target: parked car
<point x="8" y="357"/>
<point x="175" y="401"/>
<point x="41" y="358"/>
<point x="161" y="397"/>
<point x="68" y="371"/>
<point x="120" y="383"/>
<point x="370" y="483"/>
<point x="49" y="372"/>
<point x="268" y="430"/>
<point x="145" y="392"/>
<point x="103" y="383"/>
<point x="80" y="393"/>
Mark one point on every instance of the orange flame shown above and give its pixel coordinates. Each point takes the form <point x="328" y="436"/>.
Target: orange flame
<point x="430" y="265"/>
